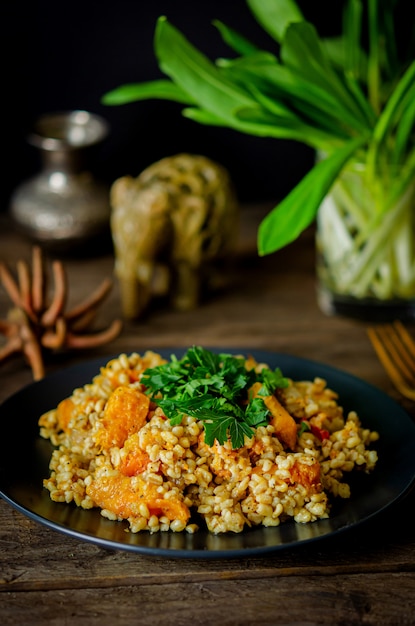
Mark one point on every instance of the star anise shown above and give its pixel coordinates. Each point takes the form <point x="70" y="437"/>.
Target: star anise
<point x="34" y="324"/>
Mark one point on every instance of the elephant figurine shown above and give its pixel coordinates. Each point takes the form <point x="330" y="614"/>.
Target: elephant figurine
<point x="174" y="228"/>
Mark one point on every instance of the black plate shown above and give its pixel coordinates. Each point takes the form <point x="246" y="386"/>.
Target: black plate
<point x="24" y="460"/>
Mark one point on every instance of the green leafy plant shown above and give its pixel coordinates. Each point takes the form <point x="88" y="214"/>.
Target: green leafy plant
<point x="350" y="97"/>
<point x="213" y="388"/>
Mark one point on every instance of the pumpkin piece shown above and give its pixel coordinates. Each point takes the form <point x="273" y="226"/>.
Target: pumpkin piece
<point x="172" y="509"/>
<point x="125" y="413"/>
<point x="116" y="494"/>
<point x="307" y="475"/>
<point x="284" y="424"/>
<point x="124" y="496"/>
<point x="64" y="413"/>
<point x="134" y="460"/>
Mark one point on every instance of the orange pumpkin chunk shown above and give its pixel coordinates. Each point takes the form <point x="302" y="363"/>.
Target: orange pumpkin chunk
<point x="64" y="413"/>
<point x="125" y="413"/>
<point x="134" y="460"/>
<point x="307" y="475"/>
<point x="124" y="497"/>
<point x="285" y="426"/>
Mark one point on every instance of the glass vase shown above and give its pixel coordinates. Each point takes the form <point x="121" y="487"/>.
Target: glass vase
<point x="366" y="248"/>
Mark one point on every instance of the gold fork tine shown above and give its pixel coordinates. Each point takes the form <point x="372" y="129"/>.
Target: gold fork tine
<point x="399" y="343"/>
<point x="407" y="339"/>
<point x="396" y="351"/>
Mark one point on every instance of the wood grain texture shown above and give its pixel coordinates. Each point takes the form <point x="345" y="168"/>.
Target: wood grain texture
<point x="363" y="576"/>
<point x="300" y="600"/>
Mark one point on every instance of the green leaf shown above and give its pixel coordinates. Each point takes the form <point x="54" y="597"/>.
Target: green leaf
<point x="296" y="212"/>
<point x="238" y="431"/>
<point x="260" y="122"/>
<point x="352" y="29"/>
<point x="275" y="15"/>
<point x="360" y="98"/>
<point x="404" y="130"/>
<point x="216" y="429"/>
<point x="222" y="429"/>
<point x="401" y="182"/>
<point x="273" y="380"/>
<point x="335" y="49"/>
<point x="221" y="420"/>
<point x="305" y="427"/>
<point x="195" y="74"/>
<point x="256" y="413"/>
<point x="201" y="116"/>
<point x="273" y="106"/>
<point x="373" y="79"/>
<point x="390" y="39"/>
<point x="331" y="123"/>
<point x="235" y="40"/>
<point x="161" y="89"/>
<point x="303" y="52"/>
<point x="198" y="356"/>
<point x="390" y="115"/>
<point x="212" y="388"/>
<point x="287" y="93"/>
<point x="255" y="121"/>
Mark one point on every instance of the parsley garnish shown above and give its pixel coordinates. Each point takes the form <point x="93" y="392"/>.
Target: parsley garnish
<point x="213" y="388"/>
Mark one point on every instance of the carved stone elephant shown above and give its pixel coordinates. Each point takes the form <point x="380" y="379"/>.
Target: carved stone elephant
<point x="171" y="226"/>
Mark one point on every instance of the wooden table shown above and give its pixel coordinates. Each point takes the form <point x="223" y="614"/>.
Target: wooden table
<point x="363" y="576"/>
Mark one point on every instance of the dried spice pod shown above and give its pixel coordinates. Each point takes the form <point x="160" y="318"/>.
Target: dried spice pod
<point x="35" y="324"/>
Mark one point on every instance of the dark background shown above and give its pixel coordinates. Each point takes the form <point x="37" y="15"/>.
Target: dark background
<point x="66" y="55"/>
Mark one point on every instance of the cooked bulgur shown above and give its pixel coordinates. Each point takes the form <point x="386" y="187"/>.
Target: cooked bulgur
<point x="116" y="450"/>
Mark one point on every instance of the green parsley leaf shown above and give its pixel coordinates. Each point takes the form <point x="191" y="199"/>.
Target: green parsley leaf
<point x="305" y="426"/>
<point x="256" y="413"/>
<point x="237" y="432"/>
<point x="272" y="380"/>
<point x="212" y="388"/>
